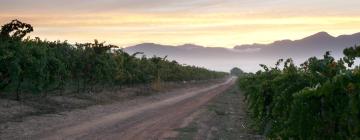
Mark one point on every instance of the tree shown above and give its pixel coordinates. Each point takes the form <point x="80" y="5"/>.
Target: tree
<point x="236" y="71"/>
<point x="15" y="30"/>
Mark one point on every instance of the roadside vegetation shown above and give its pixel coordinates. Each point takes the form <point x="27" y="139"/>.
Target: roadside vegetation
<point x="39" y="67"/>
<point x="318" y="100"/>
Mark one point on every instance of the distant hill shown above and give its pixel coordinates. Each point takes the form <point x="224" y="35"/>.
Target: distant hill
<point x="247" y="57"/>
<point x="313" y="45"/>
<point x="186" y="50"/>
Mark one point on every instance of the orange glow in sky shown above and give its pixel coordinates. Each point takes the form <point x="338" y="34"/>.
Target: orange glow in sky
<point x="212" y="23"/>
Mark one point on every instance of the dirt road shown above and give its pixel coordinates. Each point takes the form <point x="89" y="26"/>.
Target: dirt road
<point x="150" y="120"/>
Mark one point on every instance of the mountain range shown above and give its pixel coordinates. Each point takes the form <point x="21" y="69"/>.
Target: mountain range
<point x="248" y="57"/>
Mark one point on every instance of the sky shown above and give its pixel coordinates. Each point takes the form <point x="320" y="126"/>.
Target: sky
<point x="212" y="23"/>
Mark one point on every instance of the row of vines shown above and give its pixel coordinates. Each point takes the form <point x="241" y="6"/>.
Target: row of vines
<point x="319" y="99"/>
<point x="35" y="66"/>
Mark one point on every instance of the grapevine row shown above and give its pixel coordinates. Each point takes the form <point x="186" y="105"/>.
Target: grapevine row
<point x="35" y="66"/>
<point x="319" y="99"/>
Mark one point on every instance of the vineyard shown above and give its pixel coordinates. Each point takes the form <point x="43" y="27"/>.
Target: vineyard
<point x="35" y="66"/>
<point x="319" y="99"/>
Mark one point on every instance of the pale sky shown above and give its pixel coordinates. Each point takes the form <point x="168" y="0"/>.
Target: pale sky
<point x="217" y="23"/>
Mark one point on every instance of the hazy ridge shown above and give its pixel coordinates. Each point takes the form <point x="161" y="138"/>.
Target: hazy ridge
<point x="249" y="56"/>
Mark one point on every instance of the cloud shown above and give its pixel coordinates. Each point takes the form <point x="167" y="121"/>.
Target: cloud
<point x="158" y="6"/>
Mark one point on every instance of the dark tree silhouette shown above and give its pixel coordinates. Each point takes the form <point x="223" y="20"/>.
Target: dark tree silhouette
<point x="15" y="30"/>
